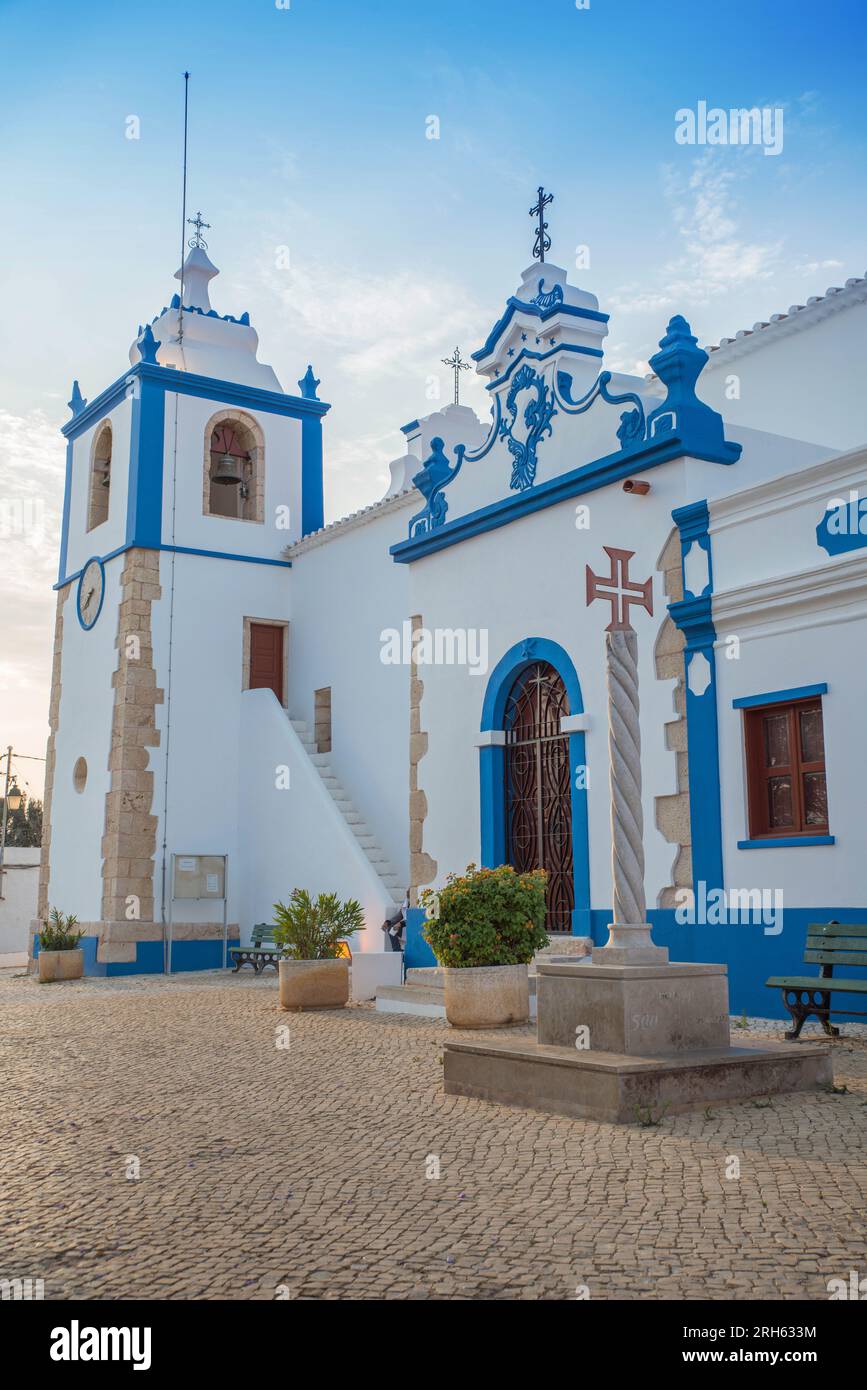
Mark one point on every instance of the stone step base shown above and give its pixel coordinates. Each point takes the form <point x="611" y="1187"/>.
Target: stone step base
<point x="615" y="1089"/>
<point x="410" y="999"/>
<point x="424" y="998"/>
<point x="565" y="946"/>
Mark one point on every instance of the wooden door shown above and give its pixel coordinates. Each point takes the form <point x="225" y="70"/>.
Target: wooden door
<point x="266" y="658"/>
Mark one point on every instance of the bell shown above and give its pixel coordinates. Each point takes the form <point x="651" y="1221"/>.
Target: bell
<point x="227" y="471"/>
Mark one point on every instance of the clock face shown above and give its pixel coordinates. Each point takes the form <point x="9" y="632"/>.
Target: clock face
<point x="91" y="590"/>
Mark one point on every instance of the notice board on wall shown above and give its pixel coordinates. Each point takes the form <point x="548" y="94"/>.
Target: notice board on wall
<point x="199" y="876"/>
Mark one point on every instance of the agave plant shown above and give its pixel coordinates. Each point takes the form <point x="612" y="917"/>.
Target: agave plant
<point x="315" y="929"/>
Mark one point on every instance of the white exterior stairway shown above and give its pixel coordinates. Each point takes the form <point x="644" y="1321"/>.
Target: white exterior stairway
<point x="354" y="820"/>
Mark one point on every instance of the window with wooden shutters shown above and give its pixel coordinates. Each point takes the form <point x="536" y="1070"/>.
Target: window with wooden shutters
<point x="786" y="781"/>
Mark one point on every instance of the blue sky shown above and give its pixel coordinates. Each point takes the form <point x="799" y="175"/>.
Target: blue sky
<point x="307" y="130"/>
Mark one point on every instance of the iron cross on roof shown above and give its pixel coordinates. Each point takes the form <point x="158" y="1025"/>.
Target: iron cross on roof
<point x="459" y="365"/>
<point x="198" y="239"/>
<point x="543" y="241"/>
<point x="619" y="590"/>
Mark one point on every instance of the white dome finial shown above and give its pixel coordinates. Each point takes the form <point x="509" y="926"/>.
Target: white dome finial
<point x="198" y="271"/>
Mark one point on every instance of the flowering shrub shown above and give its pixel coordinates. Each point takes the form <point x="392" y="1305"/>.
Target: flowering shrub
<point x="486" y="917"/>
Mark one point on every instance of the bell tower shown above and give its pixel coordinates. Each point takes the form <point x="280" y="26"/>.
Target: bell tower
<point x="186" y="480"/>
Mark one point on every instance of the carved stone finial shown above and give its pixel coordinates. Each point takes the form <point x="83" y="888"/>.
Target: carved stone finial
<point x="76" y="401"/>
<point x="308" y="385"/>
<point x="148" y="345"/>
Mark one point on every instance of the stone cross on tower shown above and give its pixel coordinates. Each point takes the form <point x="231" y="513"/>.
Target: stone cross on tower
<point x="459" y="365"/>
<point x="543" y="241"/>
<point x="629" y="941"/>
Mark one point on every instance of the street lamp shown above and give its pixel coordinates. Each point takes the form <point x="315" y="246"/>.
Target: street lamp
<point x="13" y="798"/>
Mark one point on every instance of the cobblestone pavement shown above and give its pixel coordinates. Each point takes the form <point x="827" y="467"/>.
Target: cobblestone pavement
<point x="268" y="1171"/>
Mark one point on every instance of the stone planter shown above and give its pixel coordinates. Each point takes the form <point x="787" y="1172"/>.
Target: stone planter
<point x="487" y="996"/>
<point x="60" y="965"/>
<point x="313" y="984"/>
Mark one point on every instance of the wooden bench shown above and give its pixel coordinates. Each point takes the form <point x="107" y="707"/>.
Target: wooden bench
<point x="829" y="944"/>
<point x="262" y="950"/>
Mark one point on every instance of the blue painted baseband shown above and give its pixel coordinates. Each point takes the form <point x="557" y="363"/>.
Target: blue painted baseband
<point x="186" y="955"/>
<point x="780" y="697"/>
<point x="787" y="842"/>
<point x="750" y="955"/>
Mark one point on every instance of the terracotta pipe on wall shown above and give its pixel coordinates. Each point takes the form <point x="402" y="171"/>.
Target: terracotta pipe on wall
<point x="636" y="485"/>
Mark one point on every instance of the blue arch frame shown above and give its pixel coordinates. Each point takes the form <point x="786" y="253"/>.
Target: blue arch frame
<point x="492" y="766"/>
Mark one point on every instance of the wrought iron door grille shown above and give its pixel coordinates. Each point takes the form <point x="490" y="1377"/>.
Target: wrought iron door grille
<point x="538" y="787"/>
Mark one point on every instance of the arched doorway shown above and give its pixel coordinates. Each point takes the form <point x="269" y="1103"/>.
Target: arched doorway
<point x="538" y="791"/>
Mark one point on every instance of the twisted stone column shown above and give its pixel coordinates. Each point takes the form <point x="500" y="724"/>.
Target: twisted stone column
<point x="624" y="750"/>
<point x="629" y="941"/>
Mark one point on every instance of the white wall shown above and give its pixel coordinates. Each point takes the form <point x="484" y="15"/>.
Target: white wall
<point x="282" y="482"/>
<point x="203" y="727"/>
<point x="18" y="904"/>
<point x="84" y="730"/>
<point x="800" y="617"/>
<point x="112" y="533"/>
<point x="344" y="594"/>
<point x="796" y="377"/>
<point x="295" y="837"/>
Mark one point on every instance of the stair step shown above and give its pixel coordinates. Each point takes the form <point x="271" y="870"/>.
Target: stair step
<point x="351" y="816"/>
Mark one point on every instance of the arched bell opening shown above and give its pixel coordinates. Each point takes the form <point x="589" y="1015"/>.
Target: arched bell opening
<point x="234" y="463"/>
<point x="99" y="491"/>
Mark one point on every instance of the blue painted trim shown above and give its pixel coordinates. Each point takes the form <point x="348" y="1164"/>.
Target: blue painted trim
<point x="542" y="357"/>
<point x="416" y="952"/>
<point x="514" y="304"/>
<point x="780" y="697"/>
<point x="67" y="504"/>
<point x="492" y="766"/>
<point x="850" y="525"/>
<point x="600" y="473"/>
<point x="225" y="555"/>
<point x="183" y="550"/>
<point x="147" y="450"/>
<point x="190" y="384"/>
<point x="100" y="406"/>
<point x="694" y="617"/>
<point x="410" y="428"/>
<point x="83" y="625"/>
<point x="312" y="500"/>
<point x="149" y="957"/>
<point x="787" y="842"/>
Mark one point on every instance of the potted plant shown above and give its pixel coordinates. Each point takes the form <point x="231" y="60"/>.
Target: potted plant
<point x="314" y="971"/>
<point x="60" y="956"/>
<point x="484" y="928"/>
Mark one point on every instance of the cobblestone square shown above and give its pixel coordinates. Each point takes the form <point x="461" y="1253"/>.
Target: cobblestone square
<point x="276" y="1164"/>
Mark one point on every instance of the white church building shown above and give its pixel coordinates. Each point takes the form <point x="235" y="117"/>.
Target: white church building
<point x="246" y="700"/>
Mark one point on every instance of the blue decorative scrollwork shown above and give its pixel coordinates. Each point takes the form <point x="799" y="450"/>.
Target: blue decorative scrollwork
<point x="432" y="480"/>
<point x="677" y="364"/>
<point x="548" y="299"/>
<point x="538" y="414"/>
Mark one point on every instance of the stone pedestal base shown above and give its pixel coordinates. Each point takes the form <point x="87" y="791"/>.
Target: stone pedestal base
<point x="618" y="1089"/>
<point x="629" y="944"/>
<point x="636" y="1010"/>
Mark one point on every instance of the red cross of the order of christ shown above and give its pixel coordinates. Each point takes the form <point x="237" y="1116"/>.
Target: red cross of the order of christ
<point x="619" y="589"/>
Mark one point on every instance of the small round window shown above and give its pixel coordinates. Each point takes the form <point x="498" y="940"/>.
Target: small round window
<point x="79" y="775"/>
